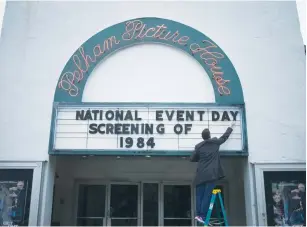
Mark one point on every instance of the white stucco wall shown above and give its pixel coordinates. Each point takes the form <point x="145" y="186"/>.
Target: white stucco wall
<point x="262" y="39"/>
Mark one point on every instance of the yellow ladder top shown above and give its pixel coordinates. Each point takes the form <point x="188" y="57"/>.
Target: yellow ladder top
<point x="215" y="191"/>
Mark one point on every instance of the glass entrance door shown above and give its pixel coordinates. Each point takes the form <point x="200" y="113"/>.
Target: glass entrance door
<point x="124" y="205"/>
<point x="177" y="205"/>
<point x="150" y="200"/>
<point x="91" y="205"/>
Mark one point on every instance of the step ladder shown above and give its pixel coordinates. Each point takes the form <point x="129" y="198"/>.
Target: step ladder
<point x="216" y="192"/>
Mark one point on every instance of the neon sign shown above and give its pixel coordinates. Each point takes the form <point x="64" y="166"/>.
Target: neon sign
<point x="133" y="30"/>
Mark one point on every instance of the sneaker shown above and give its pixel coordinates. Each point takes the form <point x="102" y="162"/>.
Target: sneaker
<point x="199" y="219"/>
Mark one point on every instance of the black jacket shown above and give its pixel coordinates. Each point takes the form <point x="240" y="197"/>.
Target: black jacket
<point x="207" y="155"/>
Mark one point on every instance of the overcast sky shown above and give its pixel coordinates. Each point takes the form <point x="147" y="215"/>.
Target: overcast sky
<point x="301" y="5"/>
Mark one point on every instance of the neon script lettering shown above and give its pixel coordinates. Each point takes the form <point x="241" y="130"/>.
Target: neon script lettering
<point x="83" y="62"/>
<point x="136" y="29"/>
<point x="210" y="58"/>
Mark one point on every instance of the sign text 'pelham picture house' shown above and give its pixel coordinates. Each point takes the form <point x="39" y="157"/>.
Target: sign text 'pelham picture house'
<point x="143" y="128"/>
<point x="83" y="60"/>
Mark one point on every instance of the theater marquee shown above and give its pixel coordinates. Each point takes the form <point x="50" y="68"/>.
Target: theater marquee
<point x="137" y="128"/>
<point x="80" y="128"/>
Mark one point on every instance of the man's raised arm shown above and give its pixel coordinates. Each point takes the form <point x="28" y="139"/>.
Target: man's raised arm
<point x="226" y="135"/>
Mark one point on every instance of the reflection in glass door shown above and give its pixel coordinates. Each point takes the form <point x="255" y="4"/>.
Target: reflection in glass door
<point x="177" y="205"/>
<point x="124" y="205"/>
<point x="91" y="205"/>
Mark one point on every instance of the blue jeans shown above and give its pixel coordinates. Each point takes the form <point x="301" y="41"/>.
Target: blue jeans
<point x="203" y="198"/>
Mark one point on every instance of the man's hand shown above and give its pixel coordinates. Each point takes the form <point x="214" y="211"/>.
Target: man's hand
<point x="233" y="124"/>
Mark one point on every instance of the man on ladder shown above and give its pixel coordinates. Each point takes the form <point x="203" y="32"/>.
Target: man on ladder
<point x="209" y="170"/>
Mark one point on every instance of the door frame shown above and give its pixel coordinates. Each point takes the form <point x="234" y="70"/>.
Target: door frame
<point x="107" y="183"/>
<point x="159" y="201"/>
<point x="108" y="203"/>
<point x="161" y="192"/>
<point x="76" y="195"/>
<point x="259" y="183"/>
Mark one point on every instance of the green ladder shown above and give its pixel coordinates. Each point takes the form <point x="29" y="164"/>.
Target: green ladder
<point x="214" y="193"/>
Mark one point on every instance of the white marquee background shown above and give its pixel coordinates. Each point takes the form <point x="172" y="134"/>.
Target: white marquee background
<point x="74" y="134"/>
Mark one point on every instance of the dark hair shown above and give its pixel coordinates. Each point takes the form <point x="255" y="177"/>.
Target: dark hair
<point x="205" y="134"/>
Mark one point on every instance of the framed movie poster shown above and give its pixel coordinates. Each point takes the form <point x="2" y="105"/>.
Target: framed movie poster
<point x="15" y="195"/>
<point x="285" y="194"/>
